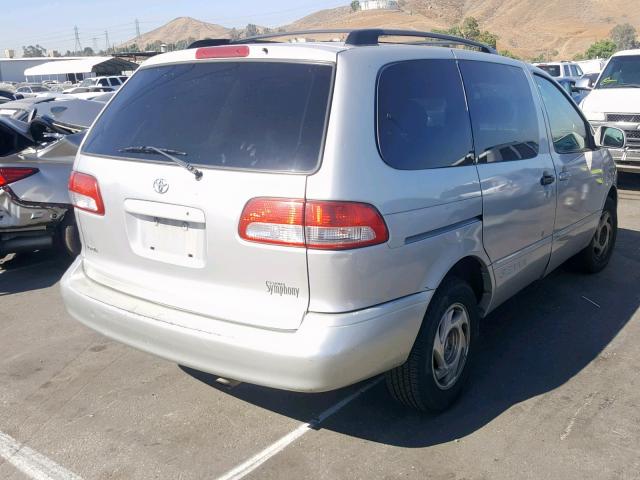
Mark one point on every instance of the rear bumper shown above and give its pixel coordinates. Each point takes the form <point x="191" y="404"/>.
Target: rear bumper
<point x="16" y="214"/>
<point x="327" y="352"/>
<point x="25" y="226"/>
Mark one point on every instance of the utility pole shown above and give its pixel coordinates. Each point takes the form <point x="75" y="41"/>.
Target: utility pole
<point x="95" y="44"/>
<point x="137" y="29"/>
<point x="77" y="48"/>
<point x="106" y="40"/>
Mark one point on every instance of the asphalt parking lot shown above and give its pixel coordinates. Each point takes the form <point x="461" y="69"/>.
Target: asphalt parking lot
<point x="555" y="394"/>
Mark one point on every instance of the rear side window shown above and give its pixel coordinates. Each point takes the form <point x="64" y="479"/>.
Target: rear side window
<point x="265" y="116"/>
<point x="568" y="129"/>
<point x="503" y="113"/>
<point x="422" y="118"/>
<point x="553" y="70"/>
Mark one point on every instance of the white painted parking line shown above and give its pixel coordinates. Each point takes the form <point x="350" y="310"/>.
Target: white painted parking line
<point x="33" y="464"/>
<point x="254" y="462"/>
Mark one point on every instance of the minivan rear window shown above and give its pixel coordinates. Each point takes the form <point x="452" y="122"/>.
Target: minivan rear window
<point x="264" y="116"/>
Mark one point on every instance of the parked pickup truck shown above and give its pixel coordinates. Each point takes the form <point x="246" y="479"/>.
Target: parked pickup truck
<point x="615" y="101"/>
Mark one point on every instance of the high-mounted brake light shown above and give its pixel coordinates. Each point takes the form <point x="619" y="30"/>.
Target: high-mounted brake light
<point x="228" y="51"/>
<point x="13" y="174"/>
<point x="315" y="224"/>
<point x="85" y="193"/>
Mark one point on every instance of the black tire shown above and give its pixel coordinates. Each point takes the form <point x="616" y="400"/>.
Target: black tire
<point x="68" y="239"/>
<point x="593" y="258"/>
<point x="414" y="383"/>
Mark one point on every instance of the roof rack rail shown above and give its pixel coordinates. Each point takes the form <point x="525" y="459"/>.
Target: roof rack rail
<point x="372" y="37"/>
<point x="361" y="37"/>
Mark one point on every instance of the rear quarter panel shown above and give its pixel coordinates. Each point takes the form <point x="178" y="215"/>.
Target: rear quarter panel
<point x="433" y="216"/>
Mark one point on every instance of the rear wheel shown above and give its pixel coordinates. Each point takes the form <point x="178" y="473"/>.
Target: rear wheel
<point x="597" y="254"/>
<point x="68" y="239"/>
<point x="439" y="363"/>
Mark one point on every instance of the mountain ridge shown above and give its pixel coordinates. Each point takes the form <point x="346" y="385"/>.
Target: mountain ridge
<point x="525" y="27"/>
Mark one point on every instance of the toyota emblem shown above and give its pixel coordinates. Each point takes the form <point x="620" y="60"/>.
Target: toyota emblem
<point x="161" y="185"/>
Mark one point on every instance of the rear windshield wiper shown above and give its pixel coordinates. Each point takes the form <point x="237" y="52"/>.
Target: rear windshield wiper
<point x="168" y="153"/>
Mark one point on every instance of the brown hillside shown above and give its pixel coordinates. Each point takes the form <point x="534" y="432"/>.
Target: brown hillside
<point x="181" y="28"/>
<point x="526" y="27"/>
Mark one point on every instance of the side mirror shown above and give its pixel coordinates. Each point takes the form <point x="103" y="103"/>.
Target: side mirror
<point x="611" y="137"/>
<point x="580" y="89"/>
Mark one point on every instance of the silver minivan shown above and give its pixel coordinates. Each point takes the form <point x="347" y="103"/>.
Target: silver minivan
<point x="308" y="215"/>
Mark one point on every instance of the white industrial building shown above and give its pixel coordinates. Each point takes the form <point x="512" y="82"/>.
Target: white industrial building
<point x="378" y="5"/>
<point x="78" y="69"/>
<point x="12" y="69"/>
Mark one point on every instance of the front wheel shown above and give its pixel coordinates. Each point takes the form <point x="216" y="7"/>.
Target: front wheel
<point x="438" y="366"/>
<point x="597" y="254"/>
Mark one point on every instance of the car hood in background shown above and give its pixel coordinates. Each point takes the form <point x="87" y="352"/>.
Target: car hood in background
<point x="614" y="100"/>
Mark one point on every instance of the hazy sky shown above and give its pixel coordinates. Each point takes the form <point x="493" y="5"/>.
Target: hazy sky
<point x="50" y="23"/>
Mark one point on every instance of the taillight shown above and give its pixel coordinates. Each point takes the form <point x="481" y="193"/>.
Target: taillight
<point x="13" y="174"/>
<point x="273" y="220"/>
<point x="85" y="193"/>
<point x="316" y="224"/>
<point x="228" y="51"/>
<point x="342" y="225"/>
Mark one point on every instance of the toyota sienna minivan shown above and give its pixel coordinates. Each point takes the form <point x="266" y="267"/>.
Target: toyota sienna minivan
<point x="308" y="215"/>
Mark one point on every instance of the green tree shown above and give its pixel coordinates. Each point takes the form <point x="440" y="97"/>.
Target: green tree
<point x="234" y="34"/>
<point x="601" y="49"/>
<point x="31" y="51"/>
<point x="489" y="38"/>
<point x="507" y="53"/>
<point x="624" y="36"/>
<point x="470" y="28"/>
<point x="87" y="52"/>
<point x="355" y="6"/>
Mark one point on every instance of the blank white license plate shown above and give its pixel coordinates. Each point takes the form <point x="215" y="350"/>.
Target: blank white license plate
<point x="167" y="240"/>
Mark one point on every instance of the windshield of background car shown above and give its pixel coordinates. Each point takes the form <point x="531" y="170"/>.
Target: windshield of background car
<point x="621" y="72"/>
<point x="265" y="116"/>
<point x="553" y="70"/>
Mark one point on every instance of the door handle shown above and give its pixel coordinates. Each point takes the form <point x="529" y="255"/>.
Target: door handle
<point x="547" y="179"/>
<point x="563" y="176"/>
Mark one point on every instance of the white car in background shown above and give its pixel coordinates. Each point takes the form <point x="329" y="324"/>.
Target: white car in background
<point x="615" y="101"/>
<point x="32" y="90"/>
<point x="558" y="70"/>
<point x="113" y="82"/>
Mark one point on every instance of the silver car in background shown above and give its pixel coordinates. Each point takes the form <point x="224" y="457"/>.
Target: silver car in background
<point x="38" y="144"/>
<point x="305" y="216"/>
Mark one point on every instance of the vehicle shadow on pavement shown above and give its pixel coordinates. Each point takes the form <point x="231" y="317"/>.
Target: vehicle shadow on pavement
<point x="31" y="271"/>
<point x="531" y="345"/>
